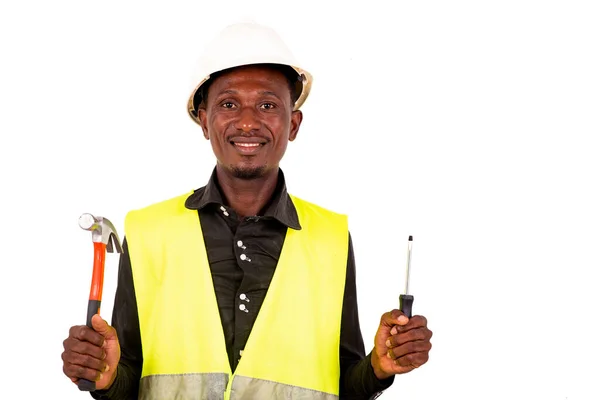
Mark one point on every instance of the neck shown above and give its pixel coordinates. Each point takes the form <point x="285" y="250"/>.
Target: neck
<point x="247" y="196"/>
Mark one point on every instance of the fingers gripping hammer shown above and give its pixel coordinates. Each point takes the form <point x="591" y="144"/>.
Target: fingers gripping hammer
<point x="105" y="238"/>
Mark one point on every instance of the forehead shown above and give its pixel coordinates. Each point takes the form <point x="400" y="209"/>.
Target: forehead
<point x="256" y="76"/>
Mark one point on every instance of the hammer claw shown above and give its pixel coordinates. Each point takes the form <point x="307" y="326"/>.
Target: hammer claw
<point x="114" y="244"/>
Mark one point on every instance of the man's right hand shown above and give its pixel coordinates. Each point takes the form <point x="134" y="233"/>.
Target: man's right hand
<point x="92" y="354"/>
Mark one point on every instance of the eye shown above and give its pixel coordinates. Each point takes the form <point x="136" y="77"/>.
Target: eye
<point x="227" y="104"/>
<point x="268" y="106"/>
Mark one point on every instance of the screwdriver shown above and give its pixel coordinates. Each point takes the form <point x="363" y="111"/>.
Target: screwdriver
<point x="406" y="300"/>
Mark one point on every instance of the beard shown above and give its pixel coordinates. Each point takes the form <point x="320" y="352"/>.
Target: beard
<point x="249" y="172"/>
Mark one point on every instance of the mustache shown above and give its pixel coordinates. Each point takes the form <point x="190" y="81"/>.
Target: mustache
<point x="248" y="137"/>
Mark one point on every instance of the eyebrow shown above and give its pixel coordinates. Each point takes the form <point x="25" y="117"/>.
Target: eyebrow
<point x="262" y="92"/>
<point x="268" y="92"/>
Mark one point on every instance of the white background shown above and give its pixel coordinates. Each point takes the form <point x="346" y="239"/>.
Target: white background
<point x="471" y="125"/>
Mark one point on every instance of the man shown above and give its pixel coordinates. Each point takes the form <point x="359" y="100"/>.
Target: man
<point x="239" y="290"/>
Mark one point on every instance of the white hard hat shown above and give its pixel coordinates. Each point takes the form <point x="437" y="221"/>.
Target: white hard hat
<point x="241" y="44"/>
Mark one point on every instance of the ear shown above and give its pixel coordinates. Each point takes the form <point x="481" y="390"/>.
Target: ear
<point x="203" y="122"/>
<point x="295" y="124"/>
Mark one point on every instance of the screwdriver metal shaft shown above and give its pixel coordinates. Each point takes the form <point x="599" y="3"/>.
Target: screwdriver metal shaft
<point x="406" y="300"/>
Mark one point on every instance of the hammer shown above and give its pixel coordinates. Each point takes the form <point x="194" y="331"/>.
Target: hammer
<point x="105" y="238"/>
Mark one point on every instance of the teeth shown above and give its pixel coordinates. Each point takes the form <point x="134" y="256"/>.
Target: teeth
<point x="248" y="144"/>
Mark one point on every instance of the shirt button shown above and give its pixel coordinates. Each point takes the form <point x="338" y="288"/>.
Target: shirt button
<point x="244" y="297"/>
<point x="243" y="308"/>
<point x="243" y="256"/>
<point x="240" y="243"/>
<point x="241" y="352"/>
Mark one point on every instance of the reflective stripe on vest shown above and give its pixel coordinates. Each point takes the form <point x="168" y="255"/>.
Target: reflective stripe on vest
<point x="293" y="349"/>
<point x="183" y="386"/>
<point x="212" y="386"/>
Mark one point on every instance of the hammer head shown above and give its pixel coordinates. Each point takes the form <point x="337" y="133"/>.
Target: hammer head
<point x="103" y="231"/>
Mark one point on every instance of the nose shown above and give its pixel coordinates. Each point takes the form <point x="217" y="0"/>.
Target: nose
<point x="247" y="121"/>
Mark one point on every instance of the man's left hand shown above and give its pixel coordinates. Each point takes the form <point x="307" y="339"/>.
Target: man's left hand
<point x="401" y="345"/>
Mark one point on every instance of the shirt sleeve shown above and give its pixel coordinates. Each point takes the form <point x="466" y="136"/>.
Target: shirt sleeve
<point x="126" y="322"/>
<point x="357" y="378"/>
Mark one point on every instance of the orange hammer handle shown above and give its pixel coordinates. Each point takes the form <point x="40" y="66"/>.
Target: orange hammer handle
<point x="97" y="282"/>
<point x="98" y="274"/>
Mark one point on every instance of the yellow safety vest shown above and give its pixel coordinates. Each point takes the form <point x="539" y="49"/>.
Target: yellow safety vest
<point x="293" y="349"/>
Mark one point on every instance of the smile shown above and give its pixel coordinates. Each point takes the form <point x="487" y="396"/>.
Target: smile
<point x="247" y="144"/>
<point x="247" y="148"/>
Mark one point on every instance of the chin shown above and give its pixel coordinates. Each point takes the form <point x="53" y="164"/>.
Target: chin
<point x="248" y="172"/>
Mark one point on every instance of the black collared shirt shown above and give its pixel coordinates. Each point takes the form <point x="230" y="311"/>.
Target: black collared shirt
<point x="243" y="255"/>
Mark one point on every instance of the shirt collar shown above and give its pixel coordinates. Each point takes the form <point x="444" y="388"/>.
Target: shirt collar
<point x="280" y="206"/>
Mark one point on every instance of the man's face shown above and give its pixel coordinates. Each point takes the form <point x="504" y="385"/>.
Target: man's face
<point x="248" y="119"/>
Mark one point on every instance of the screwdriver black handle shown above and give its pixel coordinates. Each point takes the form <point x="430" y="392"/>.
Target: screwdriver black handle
<point x="406" y="302"/>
